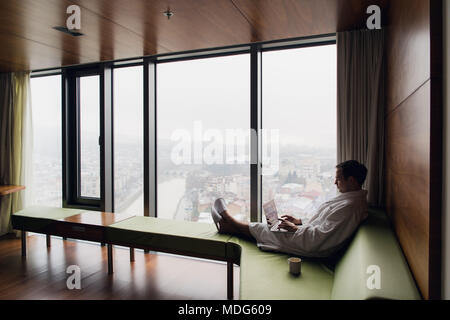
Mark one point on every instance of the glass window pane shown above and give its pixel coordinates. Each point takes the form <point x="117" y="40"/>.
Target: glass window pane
<point x="89" y="93"/>
<point x="47" y="158"/>
<point x="299" y="105"/>
<point x="128" y="140"/>
<point x="203" y="122"/>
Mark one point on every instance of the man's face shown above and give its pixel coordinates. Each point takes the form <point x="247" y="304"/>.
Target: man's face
<point x="342" y="184"/>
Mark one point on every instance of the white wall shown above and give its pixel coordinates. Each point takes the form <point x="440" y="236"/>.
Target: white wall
<point x="446" y="189"/>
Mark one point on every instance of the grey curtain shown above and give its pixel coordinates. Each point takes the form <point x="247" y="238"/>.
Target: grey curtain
<point x="361" y="70"/>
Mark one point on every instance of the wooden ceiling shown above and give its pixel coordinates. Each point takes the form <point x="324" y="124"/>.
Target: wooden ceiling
<point x="119" y="29"/>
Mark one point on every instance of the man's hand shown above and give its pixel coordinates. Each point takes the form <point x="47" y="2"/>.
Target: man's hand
<point x="289" y="226"/>
<point x="292" y="219"/>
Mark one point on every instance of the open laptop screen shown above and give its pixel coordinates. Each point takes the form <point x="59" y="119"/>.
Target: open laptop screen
<point x="271" y="212"/>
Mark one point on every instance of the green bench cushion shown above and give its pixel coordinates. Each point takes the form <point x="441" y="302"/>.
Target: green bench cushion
<point x="190" y="238"/>
<point x="374" y="244"/>
<point x="39" y="219"/>
<point x="265" y="276"/>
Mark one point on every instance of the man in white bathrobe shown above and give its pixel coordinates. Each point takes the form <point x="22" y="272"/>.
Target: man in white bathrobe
<point x="325" y="232"/>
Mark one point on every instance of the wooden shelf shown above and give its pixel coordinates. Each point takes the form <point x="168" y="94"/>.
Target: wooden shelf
<point x="8" y="189"/>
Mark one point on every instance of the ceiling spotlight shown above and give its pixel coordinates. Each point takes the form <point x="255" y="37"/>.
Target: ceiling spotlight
<point x="71" y="32"/>
<point x="168" y="14"/>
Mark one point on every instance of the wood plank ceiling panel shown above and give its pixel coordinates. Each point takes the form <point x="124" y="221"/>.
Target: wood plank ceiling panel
<point x="118" y="29"/>
<point x="280" y="19"/>
<point x="27" y="36"/>
<point x="196" y="24"/>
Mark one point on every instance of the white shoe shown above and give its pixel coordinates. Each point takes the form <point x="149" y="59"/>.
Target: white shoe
<point x="216" y="217"/>
<point x="216" y="211"/>
<point x="220" y="205"/>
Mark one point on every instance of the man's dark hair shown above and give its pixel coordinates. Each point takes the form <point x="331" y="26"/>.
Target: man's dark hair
<point x="353" y="168"/>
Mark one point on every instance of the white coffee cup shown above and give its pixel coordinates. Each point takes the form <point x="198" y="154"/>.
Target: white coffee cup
<point x="295" y="266"/>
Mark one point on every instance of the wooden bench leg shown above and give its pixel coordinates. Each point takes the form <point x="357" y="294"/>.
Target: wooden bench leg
<point x="110" y="259"/>
<point x="24" y="243"/>
<point x="229" y="280"/>
<point x="131" y="254"/>
<point x="49" y="239"/>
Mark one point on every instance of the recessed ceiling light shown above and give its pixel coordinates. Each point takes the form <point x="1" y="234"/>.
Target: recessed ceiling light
<point x="71" y="32"/>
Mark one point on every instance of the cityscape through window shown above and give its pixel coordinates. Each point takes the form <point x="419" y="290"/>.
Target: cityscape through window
<point x="89" y="94"/>
<point x="203" y="117"/>
<point x="47" y="157"/>
<point x="299" y="100"/>
<point x="203" y="134"/>
<point x="128" y="140"/>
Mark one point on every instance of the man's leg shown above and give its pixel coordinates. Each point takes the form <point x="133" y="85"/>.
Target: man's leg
<point x="228" y="224"/>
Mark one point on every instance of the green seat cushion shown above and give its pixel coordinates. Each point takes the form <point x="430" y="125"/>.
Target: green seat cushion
<point x="40" y="219"/>
<point x="265" y="276"/>
<point x="183" y="237"/>
<point x="374" y="245"/>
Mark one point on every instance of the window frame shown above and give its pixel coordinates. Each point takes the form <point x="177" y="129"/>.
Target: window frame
<point x="72" y="197"/>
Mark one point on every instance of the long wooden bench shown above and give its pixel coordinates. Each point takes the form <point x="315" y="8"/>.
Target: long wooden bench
<point x="177" y="237"/>
<point x="39" y="220"/>
<point x="263" y="275"/>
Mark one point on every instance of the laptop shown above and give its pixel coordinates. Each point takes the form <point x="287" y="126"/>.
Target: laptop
<point x="271" y="212"/>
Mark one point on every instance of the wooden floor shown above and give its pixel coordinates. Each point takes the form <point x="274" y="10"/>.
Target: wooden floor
<point x="42" y="275"/>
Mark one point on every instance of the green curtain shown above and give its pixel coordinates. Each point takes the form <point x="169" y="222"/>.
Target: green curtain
<point x="14" y="111"/>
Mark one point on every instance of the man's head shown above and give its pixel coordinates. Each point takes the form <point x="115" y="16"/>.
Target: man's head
<point x="350" y="176"/>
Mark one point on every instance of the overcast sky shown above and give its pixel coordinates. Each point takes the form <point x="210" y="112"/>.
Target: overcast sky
<point x="299" y="96"/>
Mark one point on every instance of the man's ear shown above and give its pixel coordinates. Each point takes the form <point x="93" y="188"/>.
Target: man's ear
<point x="352" y="180"/>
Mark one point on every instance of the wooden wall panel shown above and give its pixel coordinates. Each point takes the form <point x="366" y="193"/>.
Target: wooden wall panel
<point x="408" y="49"/>
<point x="408" y="179"/>
<point x="414" y="135"/>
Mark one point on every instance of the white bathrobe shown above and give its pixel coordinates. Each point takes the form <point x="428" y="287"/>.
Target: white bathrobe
<point x="324" y="233"/>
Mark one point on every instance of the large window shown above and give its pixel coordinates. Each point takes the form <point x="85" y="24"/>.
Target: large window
<point x="299" y="106"/>
<point x="89" y="108"/>
<point x="47" y="157"/>
<point x="128" y="140"/>
<point x="203" y="117"/>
